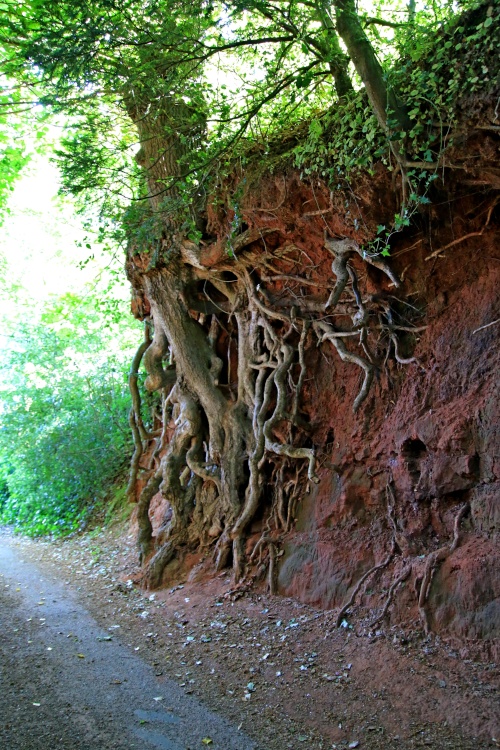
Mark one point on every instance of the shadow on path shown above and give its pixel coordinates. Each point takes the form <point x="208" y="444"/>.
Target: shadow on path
<point x="66" y="683"/>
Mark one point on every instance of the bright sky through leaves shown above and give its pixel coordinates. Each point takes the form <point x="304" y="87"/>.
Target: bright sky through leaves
<point x="42" y="244"/>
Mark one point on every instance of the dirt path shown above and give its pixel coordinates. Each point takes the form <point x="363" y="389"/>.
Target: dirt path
<point x="277" y="669"/>
<point x="65" y="682"/>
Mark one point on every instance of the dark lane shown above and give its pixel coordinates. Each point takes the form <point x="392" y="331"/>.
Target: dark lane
<point x="65" y="683"/>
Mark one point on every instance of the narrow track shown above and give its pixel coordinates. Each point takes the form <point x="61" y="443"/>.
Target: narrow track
<point x="67" y="683"/>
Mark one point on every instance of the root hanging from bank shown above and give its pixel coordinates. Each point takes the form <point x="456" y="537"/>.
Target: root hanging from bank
<point x="403" y="576"/>
<point x="231" y="355"/>
<point x="399" y="544"/>
<point x="344" y="609"/>
<point x="395" y="546"/>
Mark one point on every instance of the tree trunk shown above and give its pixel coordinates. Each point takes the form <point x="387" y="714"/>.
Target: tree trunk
<point x="338" y="61"/>
<point x="382" y="97"/>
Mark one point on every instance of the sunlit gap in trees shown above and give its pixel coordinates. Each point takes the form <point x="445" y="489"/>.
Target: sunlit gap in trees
<point x="67" y="341"/>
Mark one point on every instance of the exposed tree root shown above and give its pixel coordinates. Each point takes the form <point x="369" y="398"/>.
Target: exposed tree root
<point x="399" y="358"/>
<point x="361" y="581"/>
<point x="158" y="563"/>
<point x="144" y="537"/>
<point x="481" y="328"/>
<point x="391" y="500"/>
<point x="230" y="357"/>
<point x="139" y="432"/>
<point x="132" y="382"/>
<point x="325" y="332"/>
<point x="341" y="250"/>
<point x="399" y="580"/>
<point x="136" y="457"/>
<point x="432" y="562"/>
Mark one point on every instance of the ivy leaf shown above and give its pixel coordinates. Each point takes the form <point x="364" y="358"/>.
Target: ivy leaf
<point x="315" y="129"/>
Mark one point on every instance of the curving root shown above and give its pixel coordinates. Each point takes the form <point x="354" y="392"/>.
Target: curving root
<point x="144" y="537"/>
<point x="326" y="332"/>
<point x="284" y="449"/>
<point x="361" y="581"/>
<point x="271" y="374"/>
<point x="432" y="562"/>
<point x="399" y="358"/>
<point x="136" y="458"/>
<point x="399" y="580"/>
<point x="392" y="523"/>
<point x="341" y="251"/>
<point x="158" y="378"/>
<point x="139" y="432"/>
<point x="132" y="381"/>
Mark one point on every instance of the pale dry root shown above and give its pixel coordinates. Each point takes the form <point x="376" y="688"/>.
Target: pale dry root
<point x="399" y="543"/>
<point x="403" y="576"/>
<point x="391" y="501"/>
<point x="140" y="435"/>
<point x="237" y="416"/>
<point x="344" y="609"/>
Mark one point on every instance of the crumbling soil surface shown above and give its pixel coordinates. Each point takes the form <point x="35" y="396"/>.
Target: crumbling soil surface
<point x="278" y="669"/>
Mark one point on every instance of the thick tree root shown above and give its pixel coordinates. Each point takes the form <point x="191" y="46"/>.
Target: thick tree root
<point x="325" y="332"/>
<point x="341" y="251"/>
<point x="136" y="457"/>
<point x="144" y="537"/>
<point x="132" y="382"/>
<point x="158" y="563"/>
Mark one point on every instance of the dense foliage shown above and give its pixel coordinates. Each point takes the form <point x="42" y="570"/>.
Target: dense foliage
<point x="64" y="436"/>
<point x="224" y="77"/>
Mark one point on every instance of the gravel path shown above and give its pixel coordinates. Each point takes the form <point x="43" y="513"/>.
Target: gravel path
<point x="65" y="682"/>
<point x="276" y="669"/>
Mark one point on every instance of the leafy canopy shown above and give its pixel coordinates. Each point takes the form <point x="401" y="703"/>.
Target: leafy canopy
<point x="218" y="76"/>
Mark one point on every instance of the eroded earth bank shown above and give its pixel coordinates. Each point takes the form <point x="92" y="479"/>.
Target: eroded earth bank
<point x="348" y="402"/>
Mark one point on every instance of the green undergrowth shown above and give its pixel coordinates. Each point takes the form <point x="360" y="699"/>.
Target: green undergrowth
<point x="68" y="449"/>
<point x="117" y="507"/>
<point x="444" y="80"/>
<point x="65" y="441"/>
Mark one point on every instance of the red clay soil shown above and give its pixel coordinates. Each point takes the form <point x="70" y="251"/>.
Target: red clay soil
<point x="428" y="433"/>
<point x="434" y="427"/>
<point x="386" y="629"/>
